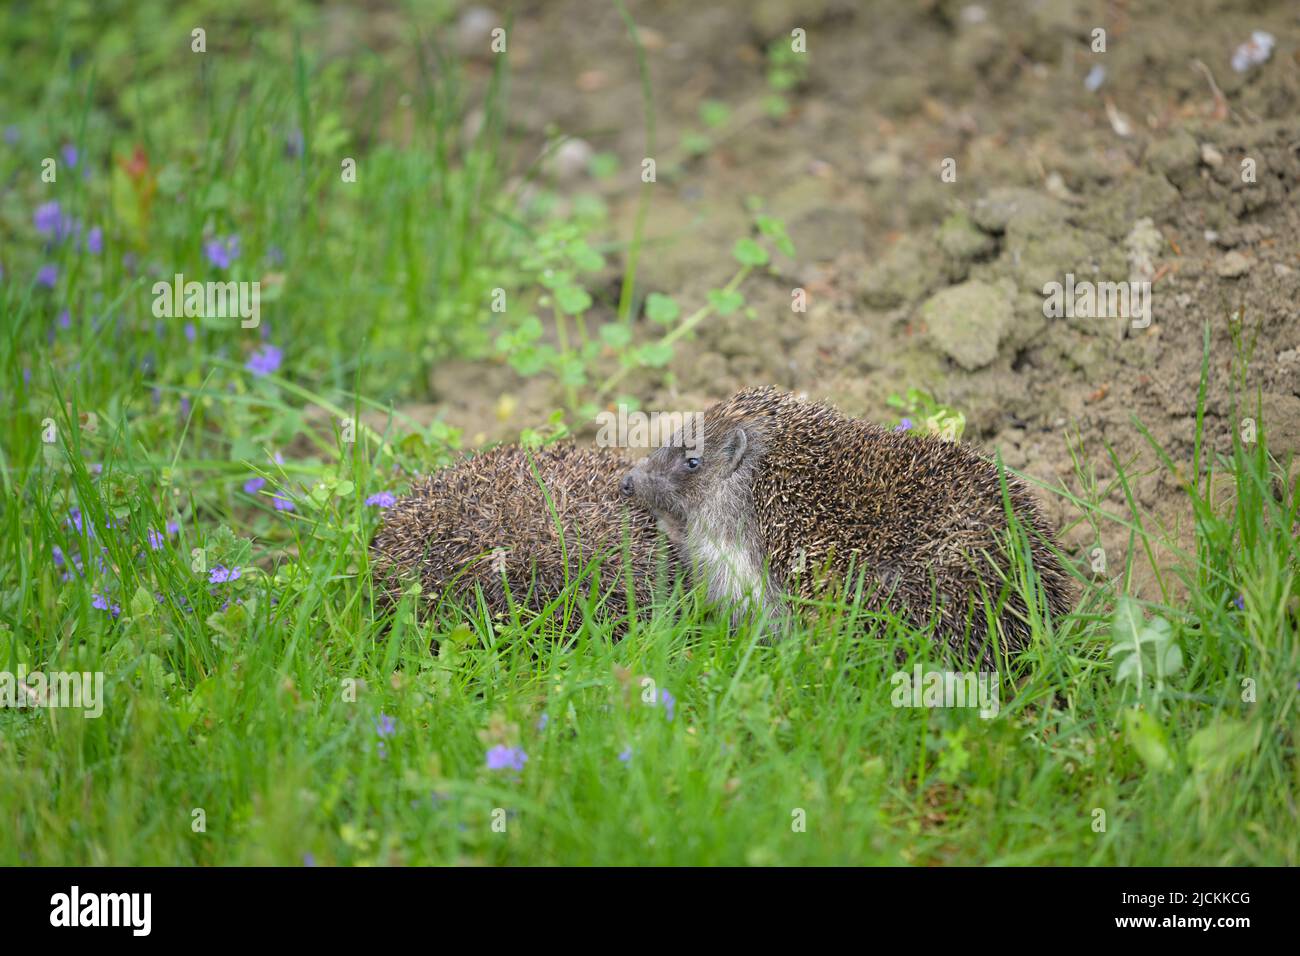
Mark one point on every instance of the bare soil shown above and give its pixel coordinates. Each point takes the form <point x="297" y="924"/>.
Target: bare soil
<point x="1051" y="178"/>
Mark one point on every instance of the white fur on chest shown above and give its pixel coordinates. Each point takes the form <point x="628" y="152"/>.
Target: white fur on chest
<point x="728" y="566"/>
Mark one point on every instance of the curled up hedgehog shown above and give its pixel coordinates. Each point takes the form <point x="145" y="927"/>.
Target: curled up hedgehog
<point x="519" y="526"/>
<point x="779" y="496"/>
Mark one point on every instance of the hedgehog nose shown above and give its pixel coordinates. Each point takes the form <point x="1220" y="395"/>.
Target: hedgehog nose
<point x="626" y="484"/>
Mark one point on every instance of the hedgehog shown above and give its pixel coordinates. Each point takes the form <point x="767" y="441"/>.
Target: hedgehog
<point x="783" y="497"/>
<point x="519" y="525"/>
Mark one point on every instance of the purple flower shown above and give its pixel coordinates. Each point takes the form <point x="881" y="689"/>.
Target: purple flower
<point x="173" y="527"/>
<point x="185" y="406"/>
<point x="626" y="755"/>
<point x="221" y="574"/>
<point x="309" y="859"/>
<point x="47" y="276"/>
<point x="95" y="241"/>
<point x="101" y="603"/>
<point x="50" y="220"/>
<point x="12" y="135"/>
<point x="58" y="556"/>
<point x="253" y="485"/>
<point x="542" y="721"/>
<point x="155" y="539"/>
<point x="222" y="252"/>
<point x="669" y="702"/>
<point x="904" y="426"/>
<point x="502" y="757"/>
<point x="76" y="567"/>
<point x="280" y="503"/>
<point x="293" y="143"/>
<point x="386" y="726"/>
<point x="70" y="155"/>
<point x="65" y="319"/>
<point x="1240" y="602"/>
<point x="75" y="521"/>
<point x="382" y="500"/>
<point x="265" y="360"/>
<point x="191" y="333"/>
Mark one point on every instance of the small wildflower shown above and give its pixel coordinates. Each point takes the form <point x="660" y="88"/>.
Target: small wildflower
<point x="222" y="252"/>
<point x="65" y="319"/>
<point x="385" y="726"/>
<point x="76" y="569"/>
<point x="173" y="528"/>
<point x="74" y="520"/>
<point x="155" y="539"/>
<point x="309" y="859"/>
<point x="265" y="361"/>
<point x="191" y="333"/>
<point x="253" y="485"/>
<point x="382" y="500"/>
<point x="221" y="574"/>
<point x="50" y="220"/>
<point x="904" y="426"/>
<point x="58" y="556"/>
<point x="502" y="757"/>
<point x="70" y="156"/>
<point x="47" y="276"/>
<point x="102" y="603"/>
<point x="95" y="241"/>
<point x="669" y="702"/>
<point x="542" y="721"/>
<point x="1254" y="51"/>
<point x="626" y="755"/>
<point x="282" y="503"/>
<point x="1240" y="602"/>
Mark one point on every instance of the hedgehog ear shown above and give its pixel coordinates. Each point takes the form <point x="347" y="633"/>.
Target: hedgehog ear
<point x="734" y="450"/>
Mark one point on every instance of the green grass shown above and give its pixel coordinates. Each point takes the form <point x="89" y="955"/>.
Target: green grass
<point x="255" y="706"/>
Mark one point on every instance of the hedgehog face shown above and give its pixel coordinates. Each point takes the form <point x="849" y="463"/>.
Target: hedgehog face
<point x="679" y="479"/>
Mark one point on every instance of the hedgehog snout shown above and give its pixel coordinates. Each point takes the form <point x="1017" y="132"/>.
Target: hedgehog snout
<point x="626" y="485"/>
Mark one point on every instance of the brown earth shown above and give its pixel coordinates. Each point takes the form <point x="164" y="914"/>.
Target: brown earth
<point x="913" y="281"/>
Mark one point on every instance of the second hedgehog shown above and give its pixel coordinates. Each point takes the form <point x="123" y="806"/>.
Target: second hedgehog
<point x="782" y="495"/>
<point x="526" y="522"/>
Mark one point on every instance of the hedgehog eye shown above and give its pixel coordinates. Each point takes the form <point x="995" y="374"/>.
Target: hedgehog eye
<point x="692" y="464"/>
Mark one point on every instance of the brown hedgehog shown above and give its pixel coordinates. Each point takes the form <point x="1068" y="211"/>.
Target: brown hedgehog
<point x="486" y="522"/>
<point x="781" y="496"/>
